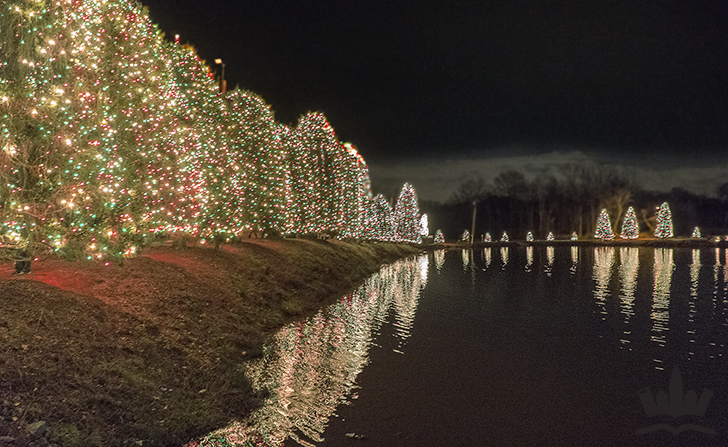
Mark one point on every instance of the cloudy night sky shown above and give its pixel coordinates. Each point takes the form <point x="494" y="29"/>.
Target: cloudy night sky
<point x="430" y="92"/>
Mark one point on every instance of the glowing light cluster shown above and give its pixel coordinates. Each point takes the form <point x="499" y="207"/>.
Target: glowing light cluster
<point x="630" y="227"/>
<point x="439" y="237"/>
<point x="604" y="227"/>
<point x="110" y="134"/>
<point x="663" y="227"/>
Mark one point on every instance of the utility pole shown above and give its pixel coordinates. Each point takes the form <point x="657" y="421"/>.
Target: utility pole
<point x="223" y="83"/>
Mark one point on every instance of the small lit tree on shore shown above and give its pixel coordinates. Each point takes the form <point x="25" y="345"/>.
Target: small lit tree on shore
<point x="630" y="227"/>
<point x="604" y="227"/>
<point x="439" y="237"/>
<point x="663" y="228"/>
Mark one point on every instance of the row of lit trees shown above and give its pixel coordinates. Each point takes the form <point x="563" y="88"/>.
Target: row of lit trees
<point x="110" y="134"/>
<point x="630" y="228"/>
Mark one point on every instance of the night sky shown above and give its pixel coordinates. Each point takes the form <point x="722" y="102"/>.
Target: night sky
<point x="430" y="92"/>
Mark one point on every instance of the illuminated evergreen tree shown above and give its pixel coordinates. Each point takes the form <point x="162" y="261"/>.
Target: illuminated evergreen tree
<point x="604" y="227"/>
<point x="630" y="227"/>
<point x="439" y="237"/>
<point x="663" y="226"/>
<point x="407" y="216"/>
<point x="465" y="236"/>
<point x="505" y="237"/>
<point x="574" y="236"/>
<point x="696" y="233"/>
<point x="550" y="236"/>
<point x="487" y="238"/>
<point x="529" y="237"/>
<point x="424" y="226"/>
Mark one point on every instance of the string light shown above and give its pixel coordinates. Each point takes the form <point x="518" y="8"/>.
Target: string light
<point x="663" y="227"/>
<point x="439" y="237"/>
<point x="110" y="134"/>
<point x="604" y="227"/>
<point x="630" y="227"/>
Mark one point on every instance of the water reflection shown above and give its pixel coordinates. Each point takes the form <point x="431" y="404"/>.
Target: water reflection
<point x="466" y="258"/>
<point x="439" y="256"/>
<point x="629" y="265"/>
<point x="504" y="257"/>
<point x="692" y="312"/>
<point x="603" y="263"/>
<point x="574" y="259"/>
<point x="529" y="258"/>
<point x="311" y="367"/>
<point x="549" y="260"/>
<point x="662" y="269"/>
<point x="488" y="256"/>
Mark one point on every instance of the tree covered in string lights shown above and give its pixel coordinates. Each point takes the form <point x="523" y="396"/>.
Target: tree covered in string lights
<point x="407" y="216"/>
<point x="696" y="233"/>
<point x="663" y="225"/>
<point x="550" y="236"/>
<point x="630" y="227"/>
<point x="529" y="237"/>
<point x="465" y="237"/>
<point x="109" y="134"/>
<point x="439" y="237"/>
<point x="604" y="227"/>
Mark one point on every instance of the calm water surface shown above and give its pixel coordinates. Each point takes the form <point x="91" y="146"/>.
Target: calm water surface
<point x="504" y="346"/>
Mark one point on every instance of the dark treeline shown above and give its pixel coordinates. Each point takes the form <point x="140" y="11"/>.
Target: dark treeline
<point x="567" y="201"/>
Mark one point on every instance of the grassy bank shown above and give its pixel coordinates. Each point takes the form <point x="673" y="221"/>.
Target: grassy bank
<point x="154" y="350"/>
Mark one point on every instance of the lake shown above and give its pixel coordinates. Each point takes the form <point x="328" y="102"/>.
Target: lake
<point x="507" y="346"/>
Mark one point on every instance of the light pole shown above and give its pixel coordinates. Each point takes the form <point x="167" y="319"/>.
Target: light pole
<point x="222" y="83"/>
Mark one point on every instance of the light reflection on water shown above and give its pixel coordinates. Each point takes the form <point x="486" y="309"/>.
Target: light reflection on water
<point x="603" y="263"/>
<point x="629" y="265"/>
<point x="310" y="367"/>
<point x="663" y="268"/>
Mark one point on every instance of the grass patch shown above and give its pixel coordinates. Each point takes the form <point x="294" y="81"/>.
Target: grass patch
<point x="155" y="350"/>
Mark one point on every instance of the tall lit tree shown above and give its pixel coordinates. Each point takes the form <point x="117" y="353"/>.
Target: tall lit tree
<point x="663" y="225"/>
<point x="604" y="227"/>
<point x="407" y="216"/>
<point x="630" y="227"/>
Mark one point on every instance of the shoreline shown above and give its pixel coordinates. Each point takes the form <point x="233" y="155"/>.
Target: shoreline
<point x="642" y="242"/>
<point x="154" y="351"/>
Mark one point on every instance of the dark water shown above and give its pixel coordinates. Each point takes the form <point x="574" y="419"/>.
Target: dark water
<point x="506" y="346"/>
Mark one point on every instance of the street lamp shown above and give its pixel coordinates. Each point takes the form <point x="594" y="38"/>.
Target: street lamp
<point x="223" y="86"/>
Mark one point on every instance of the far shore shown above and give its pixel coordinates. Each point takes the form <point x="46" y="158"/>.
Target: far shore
<point x="641" y="242"/>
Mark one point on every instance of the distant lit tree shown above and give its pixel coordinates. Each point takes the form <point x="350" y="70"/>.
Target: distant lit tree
<point x="663" y="228"/>
<point x="407" y="225"/>
<point x="439" y="237"/>
<point x="487" y="238"/>
<point x="504" y="238"/>
<point x="630" y="227"/>
<point x="466" y="236"/>
<point x="696" y="232"/>
<point x="529" y="237"/>
<point x="604" y="227"/>
<point x="550" y="236"/>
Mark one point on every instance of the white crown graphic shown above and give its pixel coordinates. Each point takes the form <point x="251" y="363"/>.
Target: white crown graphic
<point x="676" y="404"/>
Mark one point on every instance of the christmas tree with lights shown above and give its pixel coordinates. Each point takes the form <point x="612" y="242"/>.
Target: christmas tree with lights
<point x="550" y="236"/>
<point x="465" y="236"/>
<point x="696" y="233"/>
<point x="504" y="238"/>
<point x="439" y="237"/>
<point x="407" y="216"/>
<point x="529" y="237"/>
<point x="663" y="226"/>
<point x="630" y="227"/>
<point x="604" y="227"/>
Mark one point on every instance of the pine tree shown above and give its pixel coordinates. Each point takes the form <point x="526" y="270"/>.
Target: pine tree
<point x="407" y="216"/>
<point x="529" y="237"/>
<point x="630" y="227"/>
<point x="696" y="232"/>
<point x="439" y="237"/>
<point x="574" y="236"/>
<point x="466" y="236"/>
<point x="604" y="227"/>
<point x="550" y="236"/>
<point x="487" y="238"/>
<point x="663" y="227"/>
<point x="504" y="238"/>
